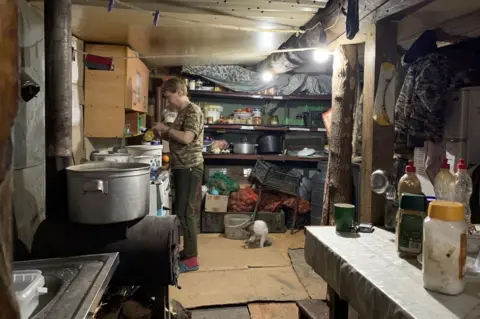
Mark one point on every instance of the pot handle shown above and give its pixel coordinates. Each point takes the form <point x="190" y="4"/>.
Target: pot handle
<point x="95" y="185"/>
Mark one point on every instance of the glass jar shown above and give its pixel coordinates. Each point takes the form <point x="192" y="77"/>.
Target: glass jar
<point x="274" y="120"/>
<point x="257" y="120"/>
<point x="391" y="208"/>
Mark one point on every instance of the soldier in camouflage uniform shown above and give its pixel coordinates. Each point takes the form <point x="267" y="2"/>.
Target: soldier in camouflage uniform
<point x="186" y="144"/>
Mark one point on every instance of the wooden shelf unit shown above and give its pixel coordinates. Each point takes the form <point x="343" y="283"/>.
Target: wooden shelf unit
<point x="271" y="128"/>
<point x="118" y="97"/>
<point x="273" y="158"/>
<point x="261" y="97"/>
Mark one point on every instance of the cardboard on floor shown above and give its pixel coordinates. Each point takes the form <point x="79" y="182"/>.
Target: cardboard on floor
<point x="216" y="252"/>
<point x="230" y="274"/>
<point x="210" y="288"/>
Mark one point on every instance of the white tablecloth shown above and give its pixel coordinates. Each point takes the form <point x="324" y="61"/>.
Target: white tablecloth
<point x="364" y="270"/>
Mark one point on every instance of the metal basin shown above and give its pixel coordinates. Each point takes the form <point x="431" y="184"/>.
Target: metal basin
<point x="57" y="281"/>
<point x="53" y="284"/>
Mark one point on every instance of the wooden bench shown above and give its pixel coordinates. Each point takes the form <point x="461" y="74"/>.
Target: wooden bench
<point x="312" y="309"/>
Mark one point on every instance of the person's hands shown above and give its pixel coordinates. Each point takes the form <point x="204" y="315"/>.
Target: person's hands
<point x="161" y="128"/>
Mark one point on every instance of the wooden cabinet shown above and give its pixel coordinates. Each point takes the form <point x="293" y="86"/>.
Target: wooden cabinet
<point x="114" y="98"/>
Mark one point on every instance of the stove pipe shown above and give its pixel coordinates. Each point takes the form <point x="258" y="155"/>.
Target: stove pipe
<point x="58" y="104"/>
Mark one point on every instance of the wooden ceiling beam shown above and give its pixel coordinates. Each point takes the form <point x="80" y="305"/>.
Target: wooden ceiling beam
<point x="466" y="25"/>
<point x="209" y="6"/>
<point x="313" y="3"/>
<point x="375" y="11"/>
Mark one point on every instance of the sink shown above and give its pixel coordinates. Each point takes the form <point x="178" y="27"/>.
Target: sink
<point x="53" y="285"/>
<point x="57" y="281"/>
<point x="75" y="284"/>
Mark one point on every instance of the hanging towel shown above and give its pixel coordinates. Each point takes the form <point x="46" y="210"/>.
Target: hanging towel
<point x="95" y="62"/>
<point x="352" y="19"/>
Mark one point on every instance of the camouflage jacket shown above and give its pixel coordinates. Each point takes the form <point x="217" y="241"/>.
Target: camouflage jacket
<point x="419" y="112"/>
<point x="188" y="155"/>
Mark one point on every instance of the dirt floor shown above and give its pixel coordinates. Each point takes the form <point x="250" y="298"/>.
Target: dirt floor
<point x="258" y="283"/>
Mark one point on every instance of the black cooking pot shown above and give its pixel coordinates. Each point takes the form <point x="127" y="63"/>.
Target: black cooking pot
<point x="269" y="144"/>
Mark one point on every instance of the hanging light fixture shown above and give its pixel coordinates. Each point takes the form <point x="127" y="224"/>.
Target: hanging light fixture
<point x="321" y="55"/>
<point x="267" y="76"/>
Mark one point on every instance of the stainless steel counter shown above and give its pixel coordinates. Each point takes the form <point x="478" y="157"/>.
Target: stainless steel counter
<point x="75" y="284"/>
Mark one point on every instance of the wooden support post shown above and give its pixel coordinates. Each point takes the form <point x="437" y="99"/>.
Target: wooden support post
<point x="377" y="141"/>
<point x="338" y="308"/>
<point x="338" y="187"/>
<point x="9" y="93"/>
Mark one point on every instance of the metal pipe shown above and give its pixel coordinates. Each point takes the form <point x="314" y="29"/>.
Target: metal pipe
<point x="58" y="104"/>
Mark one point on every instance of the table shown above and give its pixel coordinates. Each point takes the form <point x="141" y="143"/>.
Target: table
<point x="365" y="271"/>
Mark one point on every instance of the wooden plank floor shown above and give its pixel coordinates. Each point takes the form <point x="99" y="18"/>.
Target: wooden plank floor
<point x="240" y="312"/>
<point x="273" y="310"/>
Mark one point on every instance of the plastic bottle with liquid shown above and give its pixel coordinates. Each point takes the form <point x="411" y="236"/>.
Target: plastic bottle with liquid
<point x="463" y="188"/>
<point x="409" y="183"/>
<point x="444" y="183"/>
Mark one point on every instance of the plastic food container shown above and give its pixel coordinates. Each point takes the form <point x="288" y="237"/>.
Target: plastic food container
<point x="213" y="111"/>
<point x="242" y="115"/>
<point x="28" y="286"/>
<point x="445" y="248"/>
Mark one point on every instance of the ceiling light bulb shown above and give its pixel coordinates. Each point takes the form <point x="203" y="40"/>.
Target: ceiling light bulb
<point x="267" y="76"/>
<point x="321" y="55"/>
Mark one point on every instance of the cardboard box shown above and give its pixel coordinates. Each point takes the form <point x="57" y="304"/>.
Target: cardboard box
<point x="216" y="203"/>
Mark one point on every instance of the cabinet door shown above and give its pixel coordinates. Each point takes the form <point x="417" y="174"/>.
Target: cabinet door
<point x="106" y="87"/>
<point x="104" y="121"/>
<point x="137" y="84"/>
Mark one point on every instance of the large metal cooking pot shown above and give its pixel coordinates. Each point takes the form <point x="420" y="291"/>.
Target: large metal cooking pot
<point x="95" y="156"/>
<point x="244" y="148"/>
<point x="269" y="144"/>
<point x="107" y="192"/>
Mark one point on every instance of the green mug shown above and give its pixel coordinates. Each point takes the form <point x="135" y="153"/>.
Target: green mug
<point x="344" y="217"/>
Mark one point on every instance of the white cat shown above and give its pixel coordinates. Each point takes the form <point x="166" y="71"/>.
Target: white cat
<point x="257" y="231"/>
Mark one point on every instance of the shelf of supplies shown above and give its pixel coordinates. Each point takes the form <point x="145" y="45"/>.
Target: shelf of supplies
<point x="261" y="97"/>
<point x="275" y="128"/>
<point x="273" y="158"/>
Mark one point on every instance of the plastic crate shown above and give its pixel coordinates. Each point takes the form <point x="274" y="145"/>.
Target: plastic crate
<point x="28" y="286"/>
<point x="213" y="222"/>
<point x="260" y="170"/>
<point x="275" y="221"/>
<point x="276" y="178"/>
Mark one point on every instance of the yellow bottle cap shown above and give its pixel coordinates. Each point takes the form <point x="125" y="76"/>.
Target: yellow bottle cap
<point x="447" y="211"/>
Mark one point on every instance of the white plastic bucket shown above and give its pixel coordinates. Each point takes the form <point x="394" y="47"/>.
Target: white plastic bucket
<point x="235" y="226"/>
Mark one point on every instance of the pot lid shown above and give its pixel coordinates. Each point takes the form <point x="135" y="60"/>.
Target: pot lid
<point x="306" y="152"/>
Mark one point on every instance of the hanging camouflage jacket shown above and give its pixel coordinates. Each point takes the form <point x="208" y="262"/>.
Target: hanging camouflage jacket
<point x="419" y="112"/>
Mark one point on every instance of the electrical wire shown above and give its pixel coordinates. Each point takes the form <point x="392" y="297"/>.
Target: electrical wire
<point x="336" y="21"/>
